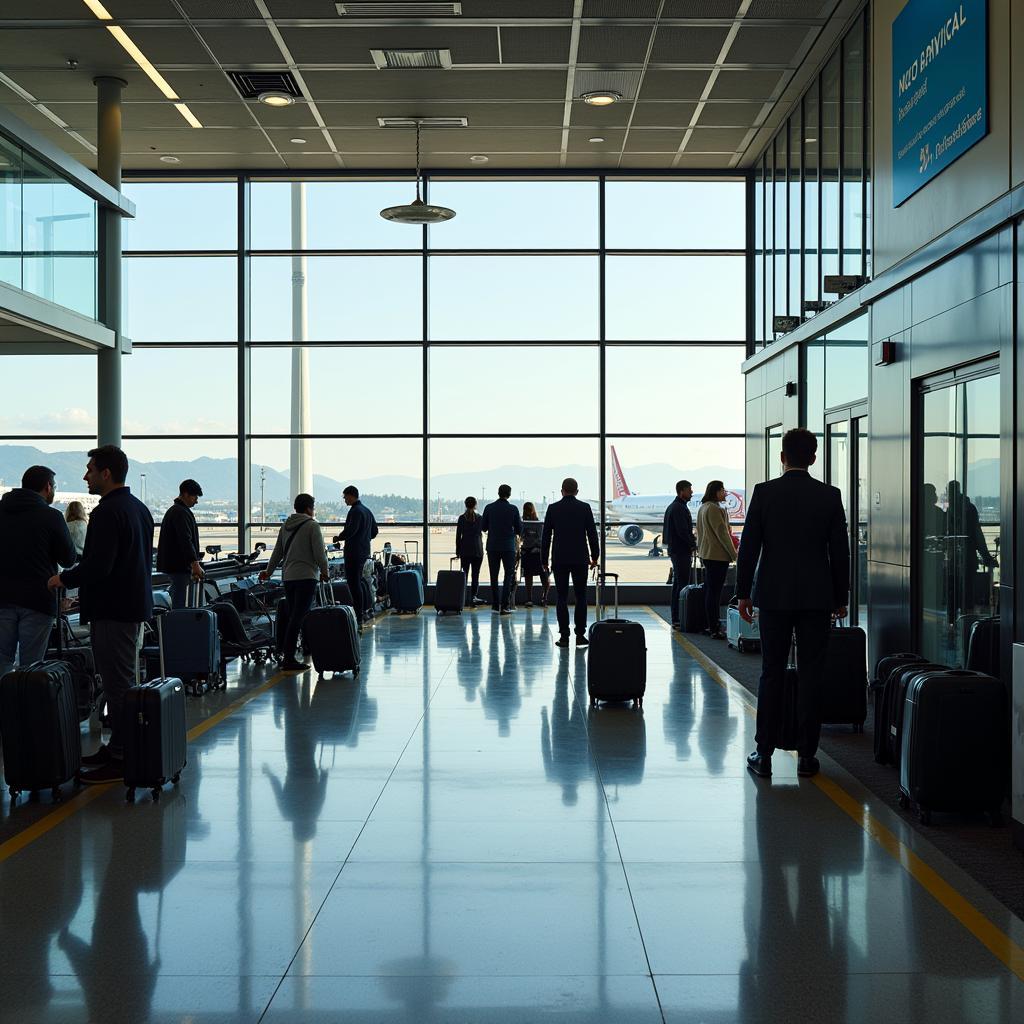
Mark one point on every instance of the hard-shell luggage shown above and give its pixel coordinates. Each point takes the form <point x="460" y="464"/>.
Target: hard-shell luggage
<point x="692" y="618"/>
<point x="331" y="636"/>
<point x="894" y="700"/>
<point x="342" y="592"/>
<point x="881" y="688"/>
<point x="192" y="643"/>
<point x="982" y="654"/>
<point x="155" y="738"/>
<point x="844" y="685"/>
<point x="744" y="636"/>
<point x="405" y="589"/>
<point x="955" y="743"/>
<point x="412" y="560"/>
<point x="39" y="728"/>
<point x="450" y="591"/>
<point x="80" y="661"/>
<point x="617" y="655"/>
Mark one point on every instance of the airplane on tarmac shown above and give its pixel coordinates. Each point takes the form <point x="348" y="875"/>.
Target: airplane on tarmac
<point x="64" y="498"/>
<point x="627" y="513"/>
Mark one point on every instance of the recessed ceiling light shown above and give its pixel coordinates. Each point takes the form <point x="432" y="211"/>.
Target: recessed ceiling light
<point x="170" y="160"/>
<point x="300" y="142"/>
<point x="809" y="139"/>
<point x="597" y="138"/>
<point x="603" y="98"/>
<point x="276" y="99"/>
<point x="479" y="158"/>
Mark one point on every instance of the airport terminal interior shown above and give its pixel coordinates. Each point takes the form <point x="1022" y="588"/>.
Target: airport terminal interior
<point x="433" y="248"/>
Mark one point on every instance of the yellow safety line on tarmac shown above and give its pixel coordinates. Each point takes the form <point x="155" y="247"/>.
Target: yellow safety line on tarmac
<point x="85" y="797"/>
<point x="990" y="935"/>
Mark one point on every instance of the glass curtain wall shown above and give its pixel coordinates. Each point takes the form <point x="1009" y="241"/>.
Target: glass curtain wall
<point x="588" y="328"/>
<point x="819" y="223"/>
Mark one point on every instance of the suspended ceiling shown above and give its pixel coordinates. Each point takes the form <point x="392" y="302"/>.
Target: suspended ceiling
<point x="704" y="81"/>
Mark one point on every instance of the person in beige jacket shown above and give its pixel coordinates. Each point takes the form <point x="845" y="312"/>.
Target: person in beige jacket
<point x="716" y="550"/>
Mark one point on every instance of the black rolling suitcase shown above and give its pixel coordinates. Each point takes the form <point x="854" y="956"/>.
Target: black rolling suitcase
<point x="894" y="700"/>
<point x="39" y="728"/>
<point x="881" y="689"/>
<point x="844" y="684"/>
<point x="982" y="654"/>
<point x="331" y="636"/>
<point x="955" y="743"/>
<point x="450" y="591"/>
<point x="692" y="618"/>
<point x="80" y="661"/>
<point x="155" y="739"/>
<point x="617" y="656"/>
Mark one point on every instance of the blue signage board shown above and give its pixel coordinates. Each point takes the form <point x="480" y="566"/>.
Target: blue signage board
<point x="939" y="88"/>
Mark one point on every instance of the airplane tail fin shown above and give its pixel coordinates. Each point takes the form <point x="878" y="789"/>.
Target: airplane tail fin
<point x="620" y="489"/>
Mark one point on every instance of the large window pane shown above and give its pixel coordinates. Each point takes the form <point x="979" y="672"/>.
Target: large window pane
<point x="812" y="187"/>
<point x="10" y="213"/>
<point x="643" y="389"/>
<point x="276" y="372"/>
<point x="186" y="215"/>
<point x="674" y="298"/>
<point x="814" y="398"/>
<point x="795" y="222"/>
<point x="180" y="391"/>
<point x="759" y="331"/>
<point x="387" y="471"/>
<point x="458" y="403"/>
<point x="513" y="298"/>
<point x="675" y="215"/>
<point x="649" y="469"/>
<point x="516" y="215"/>
<point x="67" y="458"/>
<point x="157" y="467"/>
<point x="185" y="298"/>
<point x="853" y="149"/>
<point x="533" y="467"/>
<point x="338" y="215"/>
<point x="830" y="167"/>
<point x="336" y="298"/>
<point x="846" y="363"/>
<point x="48" y="395"/>
<point x="781" y="225"/>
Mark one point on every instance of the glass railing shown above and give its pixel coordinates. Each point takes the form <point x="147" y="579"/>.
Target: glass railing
<point x="48" y="242"/>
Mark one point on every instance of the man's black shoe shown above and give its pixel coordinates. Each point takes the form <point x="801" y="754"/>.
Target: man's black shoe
<point x="582" y="641"/>
<point x="562" y="641"/>
<point x="294" y="666"/>
<point x="495" y="608"/>
<point x="760" y="764"/>
<point x="807" y="766"/>
<point x="97" y="758"/>
<point x="112" y="771"/>
<point x="506" y="611"/>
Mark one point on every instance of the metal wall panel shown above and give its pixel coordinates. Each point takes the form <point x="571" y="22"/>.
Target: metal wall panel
<point x="889" y="628"/>
<point x="968" y="332"/>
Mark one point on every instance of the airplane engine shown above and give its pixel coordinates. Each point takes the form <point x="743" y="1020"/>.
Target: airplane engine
<point x="631" y="534"/>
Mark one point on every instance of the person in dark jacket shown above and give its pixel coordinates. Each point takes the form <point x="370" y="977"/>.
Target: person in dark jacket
<point x="358" y="534"/>
<point x="469" y="547"/>
<point x="677" y="532"/>
<point x="530" y="557"/>
<point x="503" y="526"/>
<point x="36" y="542"/>
<point x="115" y="578"/>
<point x="570" y="546"/>
<point x="178" y="554"/>
<point x="794" y="567"/>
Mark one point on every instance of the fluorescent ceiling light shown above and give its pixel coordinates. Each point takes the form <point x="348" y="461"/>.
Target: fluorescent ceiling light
<point x="99" y="10"/>
<point x="143" y="61"/>
<point x="299" y="142"/>
<point x="274" y="98"/>
<point x="603" y="98"/>
<point x="188" y="115"/>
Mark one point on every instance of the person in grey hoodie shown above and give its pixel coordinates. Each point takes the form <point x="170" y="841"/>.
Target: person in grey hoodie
<point x="36" y="541"/>
<point x="300" y="551"/>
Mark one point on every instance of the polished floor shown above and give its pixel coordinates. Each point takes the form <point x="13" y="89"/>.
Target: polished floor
<point x="457" y="838"/>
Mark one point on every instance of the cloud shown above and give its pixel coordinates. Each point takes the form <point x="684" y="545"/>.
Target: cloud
<point x="68" y="421"/>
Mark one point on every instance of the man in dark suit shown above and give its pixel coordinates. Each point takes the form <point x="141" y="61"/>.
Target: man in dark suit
<point x="570" y="522"/>
<point x="357" y="536"/>
<point x="794" y="567"/>
<point x="677" y="532"/>
<point x="502" y="524"/>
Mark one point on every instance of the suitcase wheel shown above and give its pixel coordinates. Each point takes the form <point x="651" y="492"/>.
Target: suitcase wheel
<point x="130" y="795"/>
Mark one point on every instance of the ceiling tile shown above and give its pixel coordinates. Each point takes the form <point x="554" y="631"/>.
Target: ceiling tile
<point x="789" y="9"/>
<point x="663" y="115"/>
<point x="62" y="9"/>
<point x="678" y="44"/>
<point x="579" y="139"/>
<point x="705" y="140"/>
<point x="708" y="161"/>
<point x="586" y="116"/>
<point x="222" y="162"/>
<point x="701" y="8"/>
<point x="764" y="44"/>
<point x="512" y="9"/>
<point x="592" y="161"/>
<point x="92" y="46"/>
<point x="653" y="140"/>
<point x="673" y="85"/>
<point x="35" y="118"/>
<point x="620" y="8"/>
<point x="349" y="44"/>
<point x="724" y="115"/>
<point x="77" y="85"/>
<point x="298" y="114"/>
<point x="140" y="116"/>
<point x="242" y="45"/>
<point x="469" y="140"/>
<point x="646" y="161"/>
<point x="197" y="140"/>
<point x="535" y="45"/>
<point x="746" y="85"/>
<point x="170" y="45"/>
<point x="220" y="8"/>
<point x="617" y="44"/>
<point x="419" y="86"/>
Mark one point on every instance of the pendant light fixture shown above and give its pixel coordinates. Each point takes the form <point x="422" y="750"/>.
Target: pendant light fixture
<point x="417" y="212"/>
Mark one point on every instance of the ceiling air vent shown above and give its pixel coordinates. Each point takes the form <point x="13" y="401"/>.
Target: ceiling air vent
<point x="398" y="60"/>
<point x="252" y="83"/>
<point x="397" y="10"/>
<point x="423" y="122"/>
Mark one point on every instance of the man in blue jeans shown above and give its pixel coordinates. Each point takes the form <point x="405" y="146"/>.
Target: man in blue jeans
<point x="35" y="542"/>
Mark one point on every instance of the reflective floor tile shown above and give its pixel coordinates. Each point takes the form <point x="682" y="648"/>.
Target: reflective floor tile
<point x="458" y="1000"/>
<point x="481" y="919"/>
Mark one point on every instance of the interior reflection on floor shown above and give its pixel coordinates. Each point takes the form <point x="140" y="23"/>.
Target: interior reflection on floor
<point x="456" y="836"/>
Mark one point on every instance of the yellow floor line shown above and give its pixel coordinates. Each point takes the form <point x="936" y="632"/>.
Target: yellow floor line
<point x="85" y="797"/>
<point x="988" y="934"/>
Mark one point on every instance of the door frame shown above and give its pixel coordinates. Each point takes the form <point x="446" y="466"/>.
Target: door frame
<point x="852" y="414"/>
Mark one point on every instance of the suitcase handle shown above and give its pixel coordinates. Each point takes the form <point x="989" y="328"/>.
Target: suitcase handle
<point x="160" y="645"/>
<point x="599" y="577"/>
<point x="195" y="596"/>
<point x="416" y="548"/>
<point x="326" y="595"/>
<point x="452" y="561"/>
